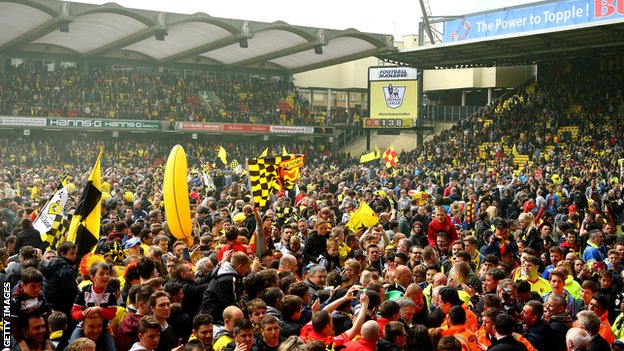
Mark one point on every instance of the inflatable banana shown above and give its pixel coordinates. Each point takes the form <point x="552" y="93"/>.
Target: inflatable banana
<point x="176" y="195"/>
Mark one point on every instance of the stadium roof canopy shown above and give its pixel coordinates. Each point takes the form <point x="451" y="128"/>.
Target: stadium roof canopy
<point x="98" y="31"/>
<point x="533" y="47"/>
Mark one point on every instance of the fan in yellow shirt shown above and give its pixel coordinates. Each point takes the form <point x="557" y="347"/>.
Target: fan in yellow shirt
<point x="538" y="284"/>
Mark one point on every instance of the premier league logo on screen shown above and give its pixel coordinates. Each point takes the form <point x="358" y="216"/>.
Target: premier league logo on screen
<point x="394" y="95"/>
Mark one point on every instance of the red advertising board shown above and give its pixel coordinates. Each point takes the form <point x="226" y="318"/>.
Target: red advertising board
<point x="199" y="126"/>
<point x="246" y="128"/>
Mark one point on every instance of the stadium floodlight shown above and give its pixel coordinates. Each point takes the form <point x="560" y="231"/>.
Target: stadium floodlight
<point x="318" y="49"/>
<point x="160" y="34"/>
<point x="243" y="43"/>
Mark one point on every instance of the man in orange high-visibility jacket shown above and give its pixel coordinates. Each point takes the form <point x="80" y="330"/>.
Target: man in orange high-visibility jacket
<point x="599" y="304"/>
<point x="456" y="319"/>
<point x="450" y="298"/>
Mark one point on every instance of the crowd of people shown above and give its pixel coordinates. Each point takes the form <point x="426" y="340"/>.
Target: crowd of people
<point x="200" y="97"/>
<point x="466" y="250"/>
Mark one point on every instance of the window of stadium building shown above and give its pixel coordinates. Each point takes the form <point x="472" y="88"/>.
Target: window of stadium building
<point x="14" y="62"/>
<point x="44" y="65"/>
<point x="191" y="73"/>
<point x="122" y="69"/>
<point x="69" y="64"/>
<point x="146" y="71"/>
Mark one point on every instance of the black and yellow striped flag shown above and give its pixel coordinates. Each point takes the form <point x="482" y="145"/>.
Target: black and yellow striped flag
<point x="268" y="175"/>
<point x="263" y="178"/>
<point x="84" y="229"/>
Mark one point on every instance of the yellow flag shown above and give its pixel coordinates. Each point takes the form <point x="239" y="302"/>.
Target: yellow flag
<point x="84" y="229"/>
<point x="222" y="155"/>
<point x="284" y="153"/>
<point x="373" y="155"/>
<point x="363" y="217"/>
<point x="264" y="153"/>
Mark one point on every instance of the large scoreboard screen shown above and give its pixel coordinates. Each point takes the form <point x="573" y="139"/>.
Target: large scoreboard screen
<point x="393" y="93"/>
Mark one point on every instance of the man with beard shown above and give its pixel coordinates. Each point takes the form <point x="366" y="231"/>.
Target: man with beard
<point x="537" y="331"/>
<point x="202" y="330"/>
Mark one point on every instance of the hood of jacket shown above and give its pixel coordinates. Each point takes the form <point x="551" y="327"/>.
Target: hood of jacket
<point x="562" y="318"/>
<point x="219" y="331"/>
<point x="130" y="324"/>
<point x="48" y="269"/>
<point x="226" y="269"/>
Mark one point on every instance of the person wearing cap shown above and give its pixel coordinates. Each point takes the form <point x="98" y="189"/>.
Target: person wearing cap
<point x="599" y="305"/>
<point x="133" y="246"/>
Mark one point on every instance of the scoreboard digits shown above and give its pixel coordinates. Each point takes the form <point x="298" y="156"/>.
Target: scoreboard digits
<point x="388" y="123"/>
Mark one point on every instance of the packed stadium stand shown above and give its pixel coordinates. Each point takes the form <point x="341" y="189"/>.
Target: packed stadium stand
<point x="124" y="95"/>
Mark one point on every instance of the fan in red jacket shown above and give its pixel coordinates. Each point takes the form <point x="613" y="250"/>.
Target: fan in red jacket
<point x="441" y="223"/>
<point x="231" y="235"/>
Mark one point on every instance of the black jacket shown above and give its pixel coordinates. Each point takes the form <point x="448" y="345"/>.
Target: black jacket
<point x="224" y="290"/>
<point x="598" y="343"/>
<point x="435" y="318"/>
<point x="260" y="345"/>
<point x="559" y="330"/>
<point x="167" y="340"/>
<point x="59" y="286"/>
<point x="181" y="322"/>
<point x="30" y="237"/>
<point x="314" y="247"/>
<point x="289" y="328"/>
<point x="193" y="293"/>
<point x="539" y="335"/>
<point x="507" y="343"/>
<point x="385" y="345"/>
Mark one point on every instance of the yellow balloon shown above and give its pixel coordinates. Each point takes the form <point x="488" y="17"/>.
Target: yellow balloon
<point x="176" y="195"/>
